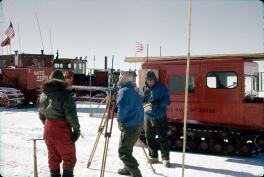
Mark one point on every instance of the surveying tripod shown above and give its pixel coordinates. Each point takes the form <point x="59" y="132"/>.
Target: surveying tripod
<point x="106" y="125"/>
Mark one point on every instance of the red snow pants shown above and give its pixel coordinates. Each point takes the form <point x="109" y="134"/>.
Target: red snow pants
<point x="57" y="135"/>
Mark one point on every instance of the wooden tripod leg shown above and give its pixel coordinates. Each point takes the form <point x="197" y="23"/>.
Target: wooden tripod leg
<point x="104" y="157"/>
<point x="100" y="131"/>
<point x="108" y="132"/>
<point x="151" y="166"/>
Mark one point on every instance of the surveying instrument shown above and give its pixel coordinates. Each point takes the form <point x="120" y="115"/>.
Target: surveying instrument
<point x="106" y="125"/>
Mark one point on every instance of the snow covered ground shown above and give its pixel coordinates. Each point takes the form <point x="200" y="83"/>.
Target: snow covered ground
<point x="18" y="126"/>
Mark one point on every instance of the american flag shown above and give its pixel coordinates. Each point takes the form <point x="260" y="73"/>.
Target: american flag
<point x="5" y="42"/>
<point x="139" y="47"/>
<point x="10" y="31"/>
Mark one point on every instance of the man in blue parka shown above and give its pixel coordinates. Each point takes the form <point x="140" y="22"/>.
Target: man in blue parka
<point x="156" y="94"/>
<point x="130" y="117"/>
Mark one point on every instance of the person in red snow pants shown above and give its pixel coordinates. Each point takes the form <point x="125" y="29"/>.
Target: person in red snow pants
<point x="57" y="135"/>
<point x="57" y="112"/>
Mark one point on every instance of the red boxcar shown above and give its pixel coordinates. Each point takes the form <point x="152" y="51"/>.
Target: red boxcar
<point x="225" y="112"/>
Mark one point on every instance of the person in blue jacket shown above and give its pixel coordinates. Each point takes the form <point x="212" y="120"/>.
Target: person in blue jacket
<point x="156" y="95"/>
<point x="130" y="117"/>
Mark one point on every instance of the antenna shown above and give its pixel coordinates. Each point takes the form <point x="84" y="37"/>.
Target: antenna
<point x="2" y="28"/>
<point x="39" y="31"/>
<point x="19" y="37"/>
<point x="262" y="24"/>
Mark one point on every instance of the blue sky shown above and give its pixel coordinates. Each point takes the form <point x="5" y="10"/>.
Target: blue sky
<point x="112" y="27"/>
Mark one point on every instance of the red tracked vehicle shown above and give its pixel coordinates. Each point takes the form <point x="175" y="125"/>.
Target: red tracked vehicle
<point x="91" y="86"/>
<point x="225" y="110"/>
<point x="24" y="73"/>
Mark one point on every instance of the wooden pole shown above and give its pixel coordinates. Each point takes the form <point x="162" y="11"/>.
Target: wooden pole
<point x="35" y="158"/>
<point x="34" y="140"/>
<point x="186" y="88"/>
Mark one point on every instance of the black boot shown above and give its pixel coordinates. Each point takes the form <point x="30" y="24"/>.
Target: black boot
<point x="135" y="172"/>
<point x="55" y="173"/>
<point x="67" y="173"/>
<point x="123" y="171"/>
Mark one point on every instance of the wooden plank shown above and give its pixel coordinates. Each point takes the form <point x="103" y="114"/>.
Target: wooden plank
<point x="246" y="56"/>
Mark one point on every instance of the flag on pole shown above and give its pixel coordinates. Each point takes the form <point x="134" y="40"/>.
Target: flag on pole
<point x="139" y="47"/>
<point x="10" y="31"/>
<point x="6" y="42"/>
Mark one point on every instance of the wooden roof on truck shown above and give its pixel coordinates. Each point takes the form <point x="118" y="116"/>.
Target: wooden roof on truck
<point x="245" y="56"/>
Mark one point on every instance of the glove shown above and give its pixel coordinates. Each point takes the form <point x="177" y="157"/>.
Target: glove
<point x="155" y="103"/>
<point x="75" y="135"/>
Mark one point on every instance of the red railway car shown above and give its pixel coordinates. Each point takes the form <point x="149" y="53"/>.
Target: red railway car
<point x="225" y="110"/>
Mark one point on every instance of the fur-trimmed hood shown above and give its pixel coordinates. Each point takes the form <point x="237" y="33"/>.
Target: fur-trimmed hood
<point x="54" y="85"/>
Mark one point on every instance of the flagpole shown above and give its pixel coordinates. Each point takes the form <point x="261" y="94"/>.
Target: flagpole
<point x="135" y="56"/>
<point x="50" y="42"/>
<point x="19" y="36"/>
<point x="2" y="37"/>
<point x="2" y="26"/>
<point x="147" y="52"/>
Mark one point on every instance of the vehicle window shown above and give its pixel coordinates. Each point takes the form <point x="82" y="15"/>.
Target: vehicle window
<point x="80" y="66"/>
<point x="2" y="63"/>
<point x="57" y="65"/>
<point x="251" y="85"/>
<point x="221" y="80"/>
<point x="177" y="84"/>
